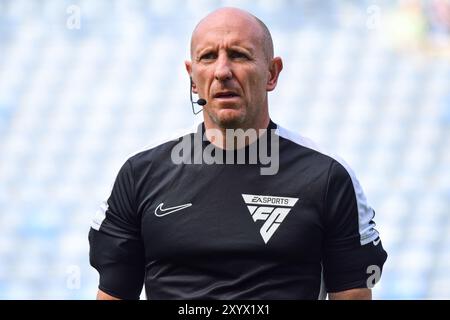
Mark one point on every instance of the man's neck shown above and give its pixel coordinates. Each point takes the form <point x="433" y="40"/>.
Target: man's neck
<point x="232" y="137"/>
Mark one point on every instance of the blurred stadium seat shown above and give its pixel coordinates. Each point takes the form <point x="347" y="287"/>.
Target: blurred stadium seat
<point x="74" y="103"/>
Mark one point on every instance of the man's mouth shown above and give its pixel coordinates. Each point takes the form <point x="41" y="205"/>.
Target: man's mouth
<point x="226" y="95"/>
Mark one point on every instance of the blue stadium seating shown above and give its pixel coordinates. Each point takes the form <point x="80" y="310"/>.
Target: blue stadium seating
<point x="74" y="103"/>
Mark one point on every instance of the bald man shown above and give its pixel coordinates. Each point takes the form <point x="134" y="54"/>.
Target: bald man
<point x="196" y="230"/>
<point x="232" y="52"/>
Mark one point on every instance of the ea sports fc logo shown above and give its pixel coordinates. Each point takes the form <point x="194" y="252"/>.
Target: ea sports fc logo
<point x="272" y="210"/>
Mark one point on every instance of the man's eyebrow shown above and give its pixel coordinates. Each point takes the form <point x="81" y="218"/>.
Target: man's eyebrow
<point x="208" y="48"/>
<point x="246" y="48"/>
<point x="202" y="51"/>
<point x="241" y="48"/>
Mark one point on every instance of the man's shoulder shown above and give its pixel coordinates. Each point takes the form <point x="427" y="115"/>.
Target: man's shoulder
<point x="161" y="147"/>
<point x="296" y="141"/>
<point x="314" y="151"/>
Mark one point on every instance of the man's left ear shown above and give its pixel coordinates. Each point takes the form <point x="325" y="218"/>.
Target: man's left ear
<point x="276" y="66"/>
<point x="188" y="65"/>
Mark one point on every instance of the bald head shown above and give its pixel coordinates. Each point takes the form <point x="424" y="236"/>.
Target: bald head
<point x="238" y="17"/>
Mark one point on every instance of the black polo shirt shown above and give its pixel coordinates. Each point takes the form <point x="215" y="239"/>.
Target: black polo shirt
<point x="225" y="231"/>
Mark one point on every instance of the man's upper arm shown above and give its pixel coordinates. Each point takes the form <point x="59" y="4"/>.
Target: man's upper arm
<point x="104" y="296"/>
<point x="352" y="294"/>
<point x="352" y="247"/>
<point x="116" y="248"/>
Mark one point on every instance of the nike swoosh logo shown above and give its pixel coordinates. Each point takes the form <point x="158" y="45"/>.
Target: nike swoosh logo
<point x="160" y="212"/>
<point x="376" y="242"/>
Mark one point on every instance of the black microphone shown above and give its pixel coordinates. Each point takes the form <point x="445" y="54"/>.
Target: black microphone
<point x="200" y="102"/>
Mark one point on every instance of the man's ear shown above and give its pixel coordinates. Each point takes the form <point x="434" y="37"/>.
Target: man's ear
<point x="188" y="65"/>
<point x="276" y="65"/>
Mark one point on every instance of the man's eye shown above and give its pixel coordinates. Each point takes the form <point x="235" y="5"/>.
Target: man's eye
<point x="238" y="55"/>
<point x="208" y="56"/>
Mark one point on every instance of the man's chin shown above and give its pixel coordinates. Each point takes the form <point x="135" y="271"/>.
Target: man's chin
<point x="229" y="118"/>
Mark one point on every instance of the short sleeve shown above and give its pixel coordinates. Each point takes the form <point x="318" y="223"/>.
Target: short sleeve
<point x="352" y="244"/>
<point x="116" y="248"/>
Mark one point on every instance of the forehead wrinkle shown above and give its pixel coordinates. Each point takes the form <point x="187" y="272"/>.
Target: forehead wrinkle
<point x="244" y="21"/>
<point x="228" y="40"/>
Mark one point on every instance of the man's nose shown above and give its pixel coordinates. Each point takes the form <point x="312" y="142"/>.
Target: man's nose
<point x="223" y="69"/>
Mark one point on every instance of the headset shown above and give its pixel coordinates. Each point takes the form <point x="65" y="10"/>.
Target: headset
<point x="200" y="102"/>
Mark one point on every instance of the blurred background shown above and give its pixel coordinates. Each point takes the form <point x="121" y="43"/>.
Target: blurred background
<point x="84" y="84"/>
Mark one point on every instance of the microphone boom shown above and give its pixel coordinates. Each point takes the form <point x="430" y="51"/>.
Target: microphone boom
<point x="200" y="102"/>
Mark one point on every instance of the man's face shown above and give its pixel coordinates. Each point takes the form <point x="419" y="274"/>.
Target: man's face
<point x="230" y="70"/>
